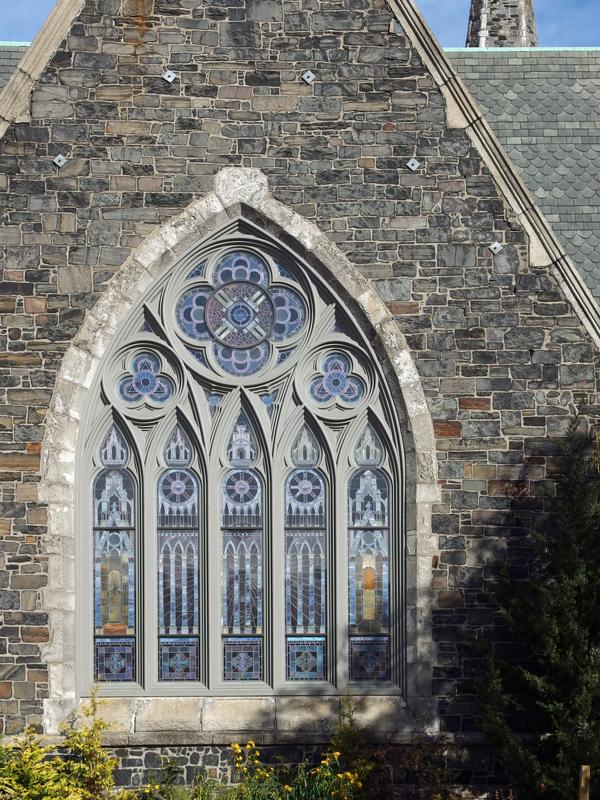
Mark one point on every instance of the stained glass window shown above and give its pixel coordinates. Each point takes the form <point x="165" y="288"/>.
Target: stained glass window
<point x="114" y="563"/>
<point x="242" y="555"/>
<point x="306" y="563"/>
<point x="242" y="486"/>
<point x="178" y="563"/>
<point x="368" y="563"/>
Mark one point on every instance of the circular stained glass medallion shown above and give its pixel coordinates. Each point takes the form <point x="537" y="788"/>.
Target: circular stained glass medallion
<point x="240" y="315"/>
<point x="242" y="487"/>
<point x="306" y="487"/>
<point x="178" y="487"/>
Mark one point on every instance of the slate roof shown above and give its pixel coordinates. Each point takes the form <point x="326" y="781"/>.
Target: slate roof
<point x="544" y="106"/>
<point x="10" y="55"/>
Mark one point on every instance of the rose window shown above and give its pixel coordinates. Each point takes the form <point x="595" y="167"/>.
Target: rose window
<point x="243" y="316"/>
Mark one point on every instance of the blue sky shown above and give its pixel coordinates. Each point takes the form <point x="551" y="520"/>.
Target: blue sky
<point x="566" y="23"/>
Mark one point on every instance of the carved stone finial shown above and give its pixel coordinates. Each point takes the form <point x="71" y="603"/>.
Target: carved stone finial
<point x="502" y="23"/>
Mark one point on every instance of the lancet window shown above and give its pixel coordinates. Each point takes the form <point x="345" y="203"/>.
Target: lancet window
<point x="244" y="474"/>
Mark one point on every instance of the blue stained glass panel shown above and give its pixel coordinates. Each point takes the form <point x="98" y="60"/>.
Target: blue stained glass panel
<point x="368" y="451"/>
<point x="114" y="499"/>
<point x="337" y="382"/>
<point x="242" y="582"/>
<point x="242" y="450"/>
<point x="290" y="313"/>
<point x="368" y="499"/>
<point x="198" y="271"/>
<point x="242" y="659"/>
<point x="178" y="659"/>
<point x="114" y="451"/>
<point x="306" y="658"/>
<point x="198" y="355"/>
<point x="306" y="565"/>
<point x="242" y="362"/>
<point x="178" y="582"/>
<point x="190" y="313"/>
<point x="306" y="582"/>
<point x="369" y="658"/>
<point x="115" y="660"/>
<point x="178" y="452"/>
<point x="178" y="499"/>
<point x="242" y="499"/>
<point x="241" y="265"/>
<point x="146" y="382"/>
<point x="368" y="581"/>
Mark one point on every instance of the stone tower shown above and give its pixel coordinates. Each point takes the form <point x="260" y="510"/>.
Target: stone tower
<point x="502" y="23"/>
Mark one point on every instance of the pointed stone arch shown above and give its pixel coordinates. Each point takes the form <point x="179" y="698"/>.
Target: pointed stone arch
<point x="238" y="193"/>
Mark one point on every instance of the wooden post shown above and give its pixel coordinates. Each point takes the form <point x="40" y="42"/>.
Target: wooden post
<point x="584" y="783"/>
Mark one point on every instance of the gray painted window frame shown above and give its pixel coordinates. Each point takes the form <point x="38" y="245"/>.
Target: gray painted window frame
<point x="149" y="437"/>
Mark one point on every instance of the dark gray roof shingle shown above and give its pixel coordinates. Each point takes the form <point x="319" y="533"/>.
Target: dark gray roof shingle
<point x="544" y="106"/>
<point x="10" y="55"/>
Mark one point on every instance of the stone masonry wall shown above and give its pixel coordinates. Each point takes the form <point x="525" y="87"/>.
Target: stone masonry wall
<point x="502" y="23"/>
<point x="500" y="353"/>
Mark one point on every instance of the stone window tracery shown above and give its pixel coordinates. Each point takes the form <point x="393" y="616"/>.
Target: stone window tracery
<point x="245" y="465"/>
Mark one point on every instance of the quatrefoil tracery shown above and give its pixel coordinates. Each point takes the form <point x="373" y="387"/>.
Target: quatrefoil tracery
<point x="241" y="315"/>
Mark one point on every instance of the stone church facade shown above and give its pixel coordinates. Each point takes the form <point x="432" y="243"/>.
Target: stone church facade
<point x="135" y="132"/>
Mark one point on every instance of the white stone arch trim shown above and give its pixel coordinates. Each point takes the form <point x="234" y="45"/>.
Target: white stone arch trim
<point x="236" y="191"/>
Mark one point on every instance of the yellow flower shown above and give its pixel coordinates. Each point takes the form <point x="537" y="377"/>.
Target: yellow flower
<point x="287" y="788"/>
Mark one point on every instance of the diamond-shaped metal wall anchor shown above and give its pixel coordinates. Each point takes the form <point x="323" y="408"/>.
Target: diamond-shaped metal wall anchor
<point x="309" y="77"/>
<point x="413" y="164"/>
<point x="169" y="76"/>
<point x="496" y="248"/>
<point x="60" y="160"/>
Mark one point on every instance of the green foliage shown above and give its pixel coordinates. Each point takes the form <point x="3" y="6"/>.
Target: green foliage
<point x="357" y="755"/>
<point x="542" y="709"/>
<point x="328" y="781"/>
<point x="31" y="770"/>
<point x="424" y="766"/>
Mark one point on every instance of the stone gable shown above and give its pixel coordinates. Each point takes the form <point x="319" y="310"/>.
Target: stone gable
<point x="502" y="357"/>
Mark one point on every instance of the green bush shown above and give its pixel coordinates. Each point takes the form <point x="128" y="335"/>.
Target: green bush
<point x="540" y="704"/>
<point x="31" y="769"/>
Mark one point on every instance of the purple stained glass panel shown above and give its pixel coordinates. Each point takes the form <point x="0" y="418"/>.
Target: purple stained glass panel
<point x="242" y="659"/>
<point x="369" y="658"/>
<point x="178" y="659"/>
<point x="115" y="660"/>
<point x="306" y="658"/>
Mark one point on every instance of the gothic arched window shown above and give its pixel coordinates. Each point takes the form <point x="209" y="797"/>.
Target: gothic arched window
<point x="243" y="466"/>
